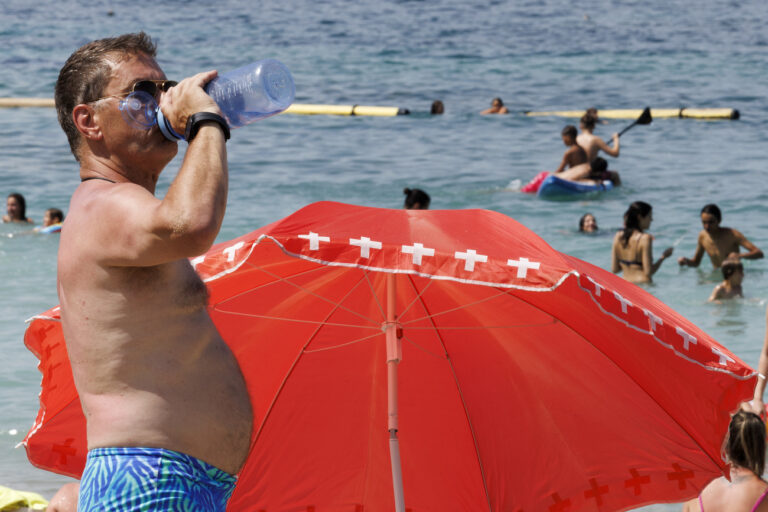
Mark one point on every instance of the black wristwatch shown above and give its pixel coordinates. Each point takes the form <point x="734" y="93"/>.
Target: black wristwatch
<point x="195" y="120"/>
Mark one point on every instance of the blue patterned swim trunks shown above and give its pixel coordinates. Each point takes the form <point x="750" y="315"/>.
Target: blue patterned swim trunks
<point x="151" y="480"/>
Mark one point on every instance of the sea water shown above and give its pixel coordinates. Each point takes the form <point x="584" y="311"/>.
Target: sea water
<point x="534" y="54"/>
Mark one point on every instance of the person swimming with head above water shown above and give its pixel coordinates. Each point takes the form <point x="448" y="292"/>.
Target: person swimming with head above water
<point x="632" y="251"/>
<point x="720" y="243"/>
<point x="588" y="223"/>
<point x="497" y="107"/>
<point x="733" y="275"/>
<point x="416" y="199"/>
<point x="16" y="209"/>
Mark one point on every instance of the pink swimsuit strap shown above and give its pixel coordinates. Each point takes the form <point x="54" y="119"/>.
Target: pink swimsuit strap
<point x="760" y="500"/>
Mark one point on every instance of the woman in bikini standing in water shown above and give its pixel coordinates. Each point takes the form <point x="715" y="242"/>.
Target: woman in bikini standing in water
<point x="632" y="250"/>
<point x="745" y="453"/>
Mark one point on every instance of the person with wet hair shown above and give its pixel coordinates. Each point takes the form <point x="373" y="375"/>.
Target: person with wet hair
<point x="497" y="107"/>
<point x="632" y="251"/>
<point x="437" y="108"/>
<point x="733" y="275"/>
<point x="416" y="199"/>
<point x="745" y="489"/>
<point x="588" y="223"/>
<point x="16" y="209"/>
<point x="719" y="242"/>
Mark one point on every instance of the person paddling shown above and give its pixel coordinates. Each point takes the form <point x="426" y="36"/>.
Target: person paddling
<point x="593" y="144"/>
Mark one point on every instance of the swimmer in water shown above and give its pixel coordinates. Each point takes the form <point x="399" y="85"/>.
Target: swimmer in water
<point x="497" y="107"/>
<point x="632" y="251"/>
<point x="720" y="243"/>
<point x="588" y="223"/>
<point x="52" y="220"/>
<point x="16" y="209"/>
<point x="733" y="275"/>
<point x="416" y="199"/>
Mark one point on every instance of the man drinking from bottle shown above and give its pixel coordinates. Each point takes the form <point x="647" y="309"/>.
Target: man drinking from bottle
<point x="168" y="415"/>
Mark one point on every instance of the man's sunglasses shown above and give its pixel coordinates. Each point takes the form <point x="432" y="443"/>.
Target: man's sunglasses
<point x="151" y="87"/>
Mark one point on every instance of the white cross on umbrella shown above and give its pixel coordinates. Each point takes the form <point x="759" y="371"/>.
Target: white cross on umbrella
<point x="314" y="240"/>
<point x="470" y="258"/>
<point x="523" y="264"/>
<point x="365" y="244"/>
<point x="418" y="250"/>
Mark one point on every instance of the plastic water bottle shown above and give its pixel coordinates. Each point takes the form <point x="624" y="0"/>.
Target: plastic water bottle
<point x="246" y="94"/>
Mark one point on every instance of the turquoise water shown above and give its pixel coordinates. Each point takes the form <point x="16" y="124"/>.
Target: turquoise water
<point x="535" y="54"/>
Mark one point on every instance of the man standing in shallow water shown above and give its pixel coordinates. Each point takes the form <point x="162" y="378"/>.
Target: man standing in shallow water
<point x="720" y="243"/>
<point x="162" y="393"/>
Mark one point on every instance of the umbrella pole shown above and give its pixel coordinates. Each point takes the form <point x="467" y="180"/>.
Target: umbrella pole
<point x="394" y="354"/>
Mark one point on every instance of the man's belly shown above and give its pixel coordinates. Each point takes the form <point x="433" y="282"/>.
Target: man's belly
<point x="195" y="406"/>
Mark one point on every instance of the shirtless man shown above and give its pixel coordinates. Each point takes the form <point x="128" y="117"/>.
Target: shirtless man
<point x="162" y="393"/>
<point x="719" y="242"/>
<point x="592" y="144"/>
<point x="574" y="155"/>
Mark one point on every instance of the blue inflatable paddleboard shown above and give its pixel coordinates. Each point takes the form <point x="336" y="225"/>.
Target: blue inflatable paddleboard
<point x="552" y="186"/>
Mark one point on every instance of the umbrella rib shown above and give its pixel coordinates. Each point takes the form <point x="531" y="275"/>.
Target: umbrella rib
<point x="291" y="369"/>
<point x="461" y="397"/>
<point x="483" y="327"/>
<point x="375" y="297"/>
<point x="295" y="320"/>
<point x="305" y="290"/>
<point x="416" y="299"/>
<point x="666" y="412"/>
<point x="358" y="340"/>
<point x="458" y="308"/>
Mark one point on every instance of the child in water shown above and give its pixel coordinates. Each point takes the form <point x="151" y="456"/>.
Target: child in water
<point x="733" y="275"/>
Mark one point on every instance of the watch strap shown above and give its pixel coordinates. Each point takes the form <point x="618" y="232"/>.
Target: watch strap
<point x="195" y="120"/>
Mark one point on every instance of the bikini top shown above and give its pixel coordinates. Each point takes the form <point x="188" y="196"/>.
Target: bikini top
<point x="754" y="507"/>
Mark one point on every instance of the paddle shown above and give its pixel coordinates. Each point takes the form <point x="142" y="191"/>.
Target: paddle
<point x="645" y="118"/>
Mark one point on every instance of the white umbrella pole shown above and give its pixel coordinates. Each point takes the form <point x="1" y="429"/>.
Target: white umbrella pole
<point x="394" y="354"/>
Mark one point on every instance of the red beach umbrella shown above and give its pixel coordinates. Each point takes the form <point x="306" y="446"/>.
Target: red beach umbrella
<point x="441" y="360"/>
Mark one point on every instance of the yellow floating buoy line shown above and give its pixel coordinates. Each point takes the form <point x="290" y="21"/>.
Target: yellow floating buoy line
<point x="656" y="113"/>
<point x="296" y="108"/>
<point x="346" y="110"/>
<point x="364" y="110"/>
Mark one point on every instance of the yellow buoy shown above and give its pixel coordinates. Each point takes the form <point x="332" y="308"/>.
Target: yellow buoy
<point x="657" y="113"/>
<point x="345" y="110"/>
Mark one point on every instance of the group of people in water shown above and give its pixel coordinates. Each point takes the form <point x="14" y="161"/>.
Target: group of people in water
<point x="16" y="212"/>
<point x="632" y="250"/>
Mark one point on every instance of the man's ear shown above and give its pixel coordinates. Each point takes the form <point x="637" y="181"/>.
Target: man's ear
<point x="84" y="117"/>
